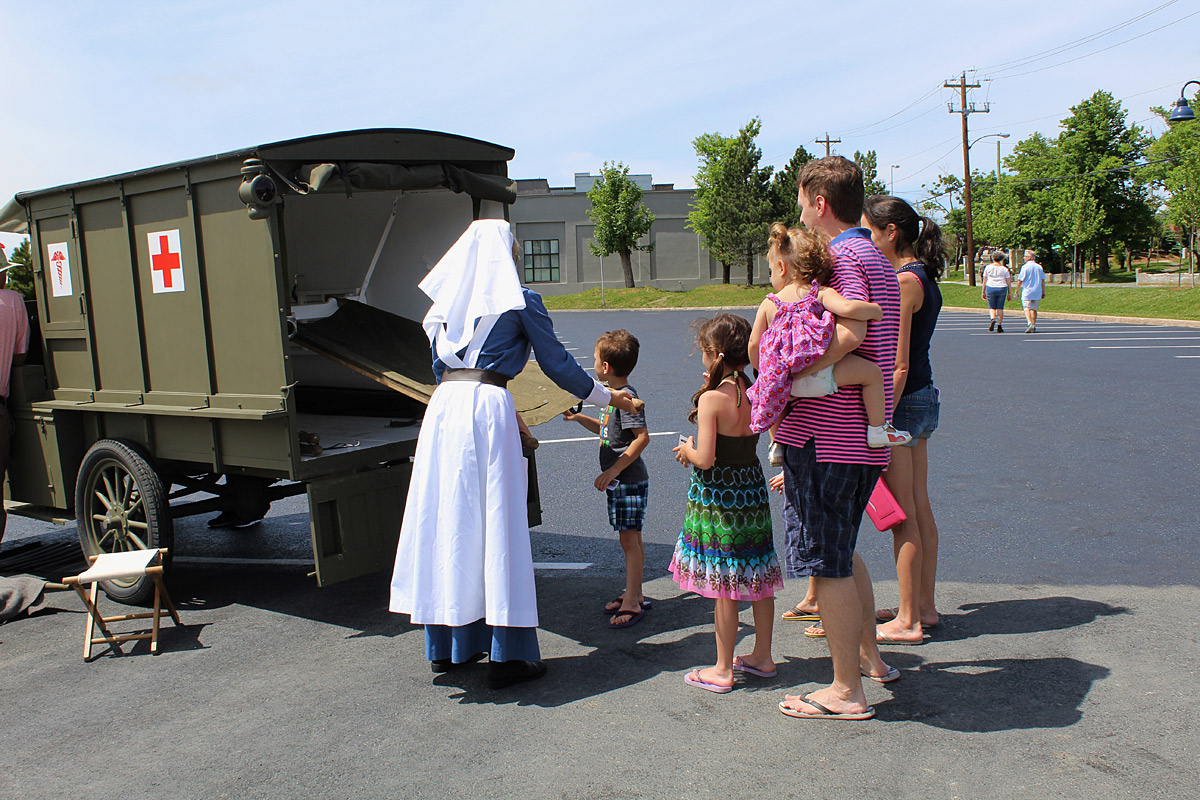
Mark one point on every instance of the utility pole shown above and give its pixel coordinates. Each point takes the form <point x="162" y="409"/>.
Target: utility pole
<point x="827" y="141"/>
<point x="966" y="109"/>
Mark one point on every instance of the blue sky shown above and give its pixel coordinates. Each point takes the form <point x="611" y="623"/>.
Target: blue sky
<point x="92" y="89"/>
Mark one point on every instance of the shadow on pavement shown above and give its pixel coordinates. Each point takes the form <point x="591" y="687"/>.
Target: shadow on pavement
<point x="993" y="694"/>
<point x="1010" y="617"/>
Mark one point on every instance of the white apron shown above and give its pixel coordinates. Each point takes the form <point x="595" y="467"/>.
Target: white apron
<point x="464" y="550"/>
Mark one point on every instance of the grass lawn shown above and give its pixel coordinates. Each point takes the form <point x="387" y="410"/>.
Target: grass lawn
<point x="1124" y="301"/>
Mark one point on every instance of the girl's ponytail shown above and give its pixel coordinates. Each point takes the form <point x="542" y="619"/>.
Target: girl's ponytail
<point x="930" y="249"/>
<point x="727" y="336"/>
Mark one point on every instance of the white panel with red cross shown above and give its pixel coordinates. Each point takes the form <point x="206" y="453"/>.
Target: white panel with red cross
<point x="166" y="261"/>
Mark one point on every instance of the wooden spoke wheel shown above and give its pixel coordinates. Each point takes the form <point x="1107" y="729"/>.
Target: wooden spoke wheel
<point x="121" y="504"/>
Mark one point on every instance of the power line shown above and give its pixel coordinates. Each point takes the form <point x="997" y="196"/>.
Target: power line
<point x="1055" y="178"/>
<point x="914" y="103"/>
<point x="1076" y="43"/>
<point x="1101" y="50"/>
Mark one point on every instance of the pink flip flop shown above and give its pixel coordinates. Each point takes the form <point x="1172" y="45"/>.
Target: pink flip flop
<point x="693" y="679"/>
<point x="741" y="666"/>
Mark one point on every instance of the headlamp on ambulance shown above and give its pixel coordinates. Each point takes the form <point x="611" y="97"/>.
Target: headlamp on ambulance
<point x="258" y="190"/>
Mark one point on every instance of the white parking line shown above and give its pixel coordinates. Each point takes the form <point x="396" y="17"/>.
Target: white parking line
<point x="1034" y="338"/>
<point x="561" y="564"/>
<point x="1187" y="356"/>
<point x="1143" y="347"/>
<point x="1139" y="329"/>
<point x="593" y="438"/>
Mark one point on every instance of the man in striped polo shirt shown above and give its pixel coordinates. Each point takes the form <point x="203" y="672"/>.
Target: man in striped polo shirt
<point x="829" y="471"/>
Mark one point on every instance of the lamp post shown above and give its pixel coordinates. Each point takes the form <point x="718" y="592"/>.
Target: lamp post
<point x="892" y="179"/>
<point x="1182" y="112"/>
<point x="967" y="200"/>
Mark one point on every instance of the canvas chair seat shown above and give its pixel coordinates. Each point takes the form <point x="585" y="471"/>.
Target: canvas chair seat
<point x="116" y="566"/>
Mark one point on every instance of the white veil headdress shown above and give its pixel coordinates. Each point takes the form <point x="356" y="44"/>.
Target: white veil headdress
<point x="475" y="280"/>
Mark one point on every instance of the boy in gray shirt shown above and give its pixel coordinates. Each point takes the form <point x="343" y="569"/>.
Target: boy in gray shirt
<point x="623" y="475"/>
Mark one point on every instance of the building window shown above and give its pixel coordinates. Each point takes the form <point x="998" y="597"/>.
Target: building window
<point x="541" y="260"/>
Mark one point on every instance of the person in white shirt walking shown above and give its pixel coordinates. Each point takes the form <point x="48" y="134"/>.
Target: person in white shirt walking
<point x="997" y="286"/>
<point x="1032" y="283"/>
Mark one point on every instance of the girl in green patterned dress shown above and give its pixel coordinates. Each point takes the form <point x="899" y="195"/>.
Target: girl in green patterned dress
<point x="726" y="550"/>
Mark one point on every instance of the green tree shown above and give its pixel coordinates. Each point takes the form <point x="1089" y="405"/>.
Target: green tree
<point x="619" y="215"/>
<point x="20" y="273"/>
<point x="868" y="162"/>
<point x="944" y="195"/>
<point x="732" y="205"/>
<point x="1179" y="177"/>
<point x="1096" y="139"/>
<point x="1079" y="216"/>
<point x="997" y="215"/>
<point x="1036" y="165"/>
<point x="784" y="190"/>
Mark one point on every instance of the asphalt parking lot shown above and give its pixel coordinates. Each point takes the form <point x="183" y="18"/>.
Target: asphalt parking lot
<point x="1063" y="480"/>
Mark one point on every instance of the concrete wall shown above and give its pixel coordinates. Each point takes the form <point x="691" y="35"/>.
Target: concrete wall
<point x="678" y="261"/>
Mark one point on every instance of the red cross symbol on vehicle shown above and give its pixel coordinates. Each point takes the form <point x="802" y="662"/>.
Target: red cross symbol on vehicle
<point x="165" y="262"/>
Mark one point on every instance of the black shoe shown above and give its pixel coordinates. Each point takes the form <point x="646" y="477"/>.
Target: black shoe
<point x="999" y="329"/>
<point x="505" y="673"/>
<point x="446" y="664"/>
<point x="992" y="324"/>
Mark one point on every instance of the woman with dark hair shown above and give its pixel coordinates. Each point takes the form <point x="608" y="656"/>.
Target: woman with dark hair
<point x="913" y="245"/>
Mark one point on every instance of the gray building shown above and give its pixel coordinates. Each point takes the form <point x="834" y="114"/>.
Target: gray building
<point x="554" y="229"/>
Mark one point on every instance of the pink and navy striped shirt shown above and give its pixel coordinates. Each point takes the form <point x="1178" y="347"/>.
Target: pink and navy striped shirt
<point x="838" y="423"/>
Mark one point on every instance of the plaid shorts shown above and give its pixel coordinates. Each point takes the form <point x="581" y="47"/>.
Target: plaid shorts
<point x="627" y="505"/>
<point x="828" y="500"/>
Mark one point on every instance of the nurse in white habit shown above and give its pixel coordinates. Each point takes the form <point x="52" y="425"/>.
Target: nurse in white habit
<point x="464" y="565"/>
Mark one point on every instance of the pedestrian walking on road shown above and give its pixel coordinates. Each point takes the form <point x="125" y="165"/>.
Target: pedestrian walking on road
<point x="997" y="290"/>
<point x="726" y="550"/>
<point x="1032" y="283"/>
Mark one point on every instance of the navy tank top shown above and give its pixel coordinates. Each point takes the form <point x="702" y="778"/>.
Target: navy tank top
<point x="920" y="372"/>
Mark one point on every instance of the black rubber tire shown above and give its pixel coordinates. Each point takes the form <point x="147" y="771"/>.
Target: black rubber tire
<point x="121" y="504"/>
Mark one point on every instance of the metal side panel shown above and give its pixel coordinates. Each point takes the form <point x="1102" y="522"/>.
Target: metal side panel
<point x="356" y="521"/>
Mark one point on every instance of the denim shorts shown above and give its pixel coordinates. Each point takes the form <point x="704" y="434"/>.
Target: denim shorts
<point x="996" y="295"/>
<point x="917" y="413"/>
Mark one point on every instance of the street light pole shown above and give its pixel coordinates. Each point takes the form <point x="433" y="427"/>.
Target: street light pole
<point x="892" y="179"/>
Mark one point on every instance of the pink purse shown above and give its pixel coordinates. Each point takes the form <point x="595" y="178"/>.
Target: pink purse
<point x="883" y="509"/>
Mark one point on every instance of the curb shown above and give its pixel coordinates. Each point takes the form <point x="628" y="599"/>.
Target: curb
<point x="1172" y="323"/>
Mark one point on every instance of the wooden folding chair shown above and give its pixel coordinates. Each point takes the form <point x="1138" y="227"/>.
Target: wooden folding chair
<point x="113" y="566"/>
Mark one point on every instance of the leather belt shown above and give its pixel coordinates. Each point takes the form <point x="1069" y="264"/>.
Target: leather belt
<point x="476" y="376"/>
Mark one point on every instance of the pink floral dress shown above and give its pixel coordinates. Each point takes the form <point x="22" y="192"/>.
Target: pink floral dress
<point x="799" y="334"/>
